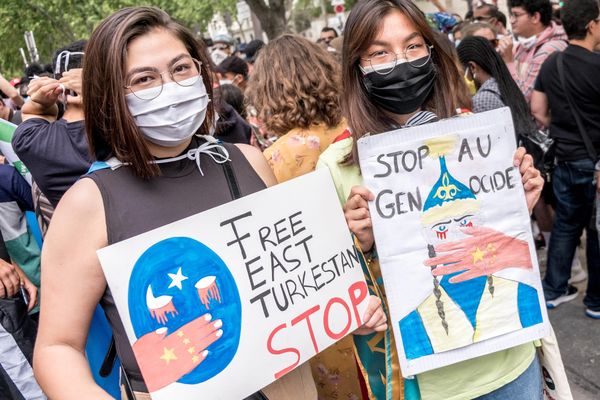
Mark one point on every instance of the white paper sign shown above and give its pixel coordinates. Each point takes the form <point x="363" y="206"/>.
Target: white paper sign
<point x="454" y="240"/>
<point x="220" y="304"/>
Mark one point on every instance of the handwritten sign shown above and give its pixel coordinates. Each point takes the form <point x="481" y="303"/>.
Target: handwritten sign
<point x="242" y="293"/>
<point x="454" y="240"/>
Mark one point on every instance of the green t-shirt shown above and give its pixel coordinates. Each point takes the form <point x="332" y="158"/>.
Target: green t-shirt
<point x="462" y="381"/>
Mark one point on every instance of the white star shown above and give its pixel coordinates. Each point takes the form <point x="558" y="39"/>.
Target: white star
<point x="177" y="279"/>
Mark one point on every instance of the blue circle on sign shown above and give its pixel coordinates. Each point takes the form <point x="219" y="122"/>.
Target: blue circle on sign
<point x="195" y="281"/>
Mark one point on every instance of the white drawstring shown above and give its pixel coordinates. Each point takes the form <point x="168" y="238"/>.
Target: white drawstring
<point x="206" y="148"/>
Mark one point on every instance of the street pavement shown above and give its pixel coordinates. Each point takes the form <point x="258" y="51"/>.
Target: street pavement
<point x="579" y="340"/>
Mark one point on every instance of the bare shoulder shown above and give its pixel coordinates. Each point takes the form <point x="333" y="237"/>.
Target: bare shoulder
<point x="256" y="158"/>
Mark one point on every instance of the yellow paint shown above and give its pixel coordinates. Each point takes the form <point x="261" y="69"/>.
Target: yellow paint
<point x="448" y="210"/>
<point x="442" y="145"/>
<point x="168" y="355"/>
<point x="478" y="255"/>
<point x="191" y="350"/>
<point x="446" y="191"/>
<point x="186" y="341"/>
<point x="180" y="333"/>
<point x="195" y="359"/>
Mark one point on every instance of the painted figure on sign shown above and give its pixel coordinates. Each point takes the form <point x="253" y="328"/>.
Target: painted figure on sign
<point x="186" y="313"/>
<point x="468" y="304"/>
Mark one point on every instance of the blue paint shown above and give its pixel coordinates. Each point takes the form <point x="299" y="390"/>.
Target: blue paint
<point x="467" y="295"/>
<point x="415" y="340"/>
<point x="528" y="302"/>
<point x="196" y="262"/>
<point x="461" y="190"/>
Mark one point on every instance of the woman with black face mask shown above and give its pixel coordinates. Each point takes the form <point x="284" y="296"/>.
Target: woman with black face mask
<point x="396" y="74"/>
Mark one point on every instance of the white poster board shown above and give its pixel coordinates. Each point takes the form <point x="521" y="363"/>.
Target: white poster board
<point x="220" y="304"/>
<point x="454" y="240"/>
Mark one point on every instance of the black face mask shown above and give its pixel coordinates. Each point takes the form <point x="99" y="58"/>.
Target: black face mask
<point x="404" y="89"/>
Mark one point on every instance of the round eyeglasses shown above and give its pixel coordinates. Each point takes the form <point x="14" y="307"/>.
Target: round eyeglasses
<point x="148" y="84"/>
<point x="383" y="62"/>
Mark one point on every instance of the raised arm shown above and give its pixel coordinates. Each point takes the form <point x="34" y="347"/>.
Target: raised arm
<point x="73" y="284"/>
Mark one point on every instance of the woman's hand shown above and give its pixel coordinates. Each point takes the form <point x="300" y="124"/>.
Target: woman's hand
<point x="358" y="217"/>
<point x="30" y="288"/>
<point x="374" y="319"/>
<point x="533" y="182"/>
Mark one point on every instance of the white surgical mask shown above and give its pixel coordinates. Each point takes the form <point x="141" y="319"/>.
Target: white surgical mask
<point x="225" y="82"/>
<point x="527" y="42"/>
<point x="172" y="117"/>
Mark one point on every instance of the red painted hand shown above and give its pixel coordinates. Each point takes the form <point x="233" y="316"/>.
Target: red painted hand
<point x="163" y="359"/>
<point x="485" y="252"/>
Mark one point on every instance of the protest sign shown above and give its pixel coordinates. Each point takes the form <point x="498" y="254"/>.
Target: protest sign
<point x="220" y="304"/>
<point x="7" y="130"/>
<point x="454" y="240"/>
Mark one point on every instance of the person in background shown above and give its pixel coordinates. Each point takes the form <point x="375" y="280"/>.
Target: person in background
<point x="538" y="37"/>
<point x="233" y="71"/>
<point x="15" y="101"/>
<point x="572" y="179"/>
<point x="296" y="91"/>
<point x="222" y="48"/>
<point x="327" y="35"/>
<point x="490" y="14"/>
<point x="233" y="96"/>
<point x="251" y="52"/>
<point x="482" y="29"/>
<point x="231" y="127"/>
<point x="495" y="86"/>
<point x="55" y="150"/>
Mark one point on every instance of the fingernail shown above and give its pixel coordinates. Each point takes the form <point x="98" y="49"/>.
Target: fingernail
<point x="204" y="353"/>
<point x="208" y="317"/>
<point x="220" y="333"/>
<point x="218" y="323"/>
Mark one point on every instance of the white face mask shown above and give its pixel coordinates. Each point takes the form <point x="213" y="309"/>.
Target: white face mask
<point x="174" y="116"/>
<point x="528" y="42"/>
<point x="225" y="82"/>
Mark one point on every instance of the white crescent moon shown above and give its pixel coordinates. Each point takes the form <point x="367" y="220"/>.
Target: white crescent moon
<point x="156" y="302"/>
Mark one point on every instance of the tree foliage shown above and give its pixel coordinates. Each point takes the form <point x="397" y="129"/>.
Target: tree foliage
<point x="56" y="23"/>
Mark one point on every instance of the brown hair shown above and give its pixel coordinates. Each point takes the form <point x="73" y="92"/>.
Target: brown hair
<point x="470" y="29"/>
<point x="365" y="20"/>
<point x="110" y="128"/>
<point x="295" y="83"/>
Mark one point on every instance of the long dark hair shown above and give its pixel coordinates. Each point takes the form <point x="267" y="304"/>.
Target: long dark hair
<point x="110" y="128"/>
<point x="449" y="92"/>
<point x="480" y="51"/>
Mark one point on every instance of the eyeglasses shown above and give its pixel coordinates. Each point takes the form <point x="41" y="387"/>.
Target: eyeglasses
<point x="517" y="15"/>
<point x="148" y="85"/>
<point x="383" y="62"/>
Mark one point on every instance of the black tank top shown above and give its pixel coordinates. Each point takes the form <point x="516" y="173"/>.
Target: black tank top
<point x="133" y="206"/>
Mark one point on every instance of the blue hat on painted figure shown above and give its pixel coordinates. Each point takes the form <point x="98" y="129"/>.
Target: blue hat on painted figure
<point x="446" y="189"/>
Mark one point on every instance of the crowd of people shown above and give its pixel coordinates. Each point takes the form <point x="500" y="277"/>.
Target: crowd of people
<point x="103" y="127"/>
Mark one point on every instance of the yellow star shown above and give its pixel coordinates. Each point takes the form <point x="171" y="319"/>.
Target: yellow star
<point x="168" y="355"/>
<point x="180" y="333"/>
<point x="186" y="341"/>
<point x="478" y="255"/>
<point x="195" y="359"/>
<point x="191" y="350"/>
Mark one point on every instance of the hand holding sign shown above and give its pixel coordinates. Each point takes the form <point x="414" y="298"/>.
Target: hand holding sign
<point x="485" y="252"/>
<point x="374" y="318"/>
<point x="358" y="217"/>
<point x="163" y="359"/>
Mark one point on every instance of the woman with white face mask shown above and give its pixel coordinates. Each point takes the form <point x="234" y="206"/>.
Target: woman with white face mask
<point x="147" y="98"/>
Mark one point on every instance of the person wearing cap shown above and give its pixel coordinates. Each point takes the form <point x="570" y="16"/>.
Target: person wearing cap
<point x="234" y="71"/>
<point x="222" y="48"/>
<point x="251" y="52"/>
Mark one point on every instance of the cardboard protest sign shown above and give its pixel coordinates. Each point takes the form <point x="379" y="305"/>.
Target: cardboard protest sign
<point x="220" y="304"/>
<point x="454" y="240"/>
<point x="7" y="130"/>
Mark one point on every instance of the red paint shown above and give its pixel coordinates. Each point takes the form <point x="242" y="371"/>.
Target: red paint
<point x="282" y="351"/>
<point x="328" y="331"/>
<point x="306" y="315"/>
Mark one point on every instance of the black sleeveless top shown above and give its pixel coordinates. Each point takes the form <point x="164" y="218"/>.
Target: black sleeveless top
<point x="133" y="206"/>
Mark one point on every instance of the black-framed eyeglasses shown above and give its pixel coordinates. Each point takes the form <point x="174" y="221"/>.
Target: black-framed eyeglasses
<point x="383" y="62"/>
<point x="517" y="15"/>
<point x="148" y="84"/>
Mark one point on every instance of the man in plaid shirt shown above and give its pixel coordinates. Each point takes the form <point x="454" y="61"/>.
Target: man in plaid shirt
<point x="538" y="37"/>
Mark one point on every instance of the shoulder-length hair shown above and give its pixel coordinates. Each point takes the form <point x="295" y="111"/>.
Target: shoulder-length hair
<point x="295" y="84"/>
<point x="364" y="23"/>
<point x="110" y="128"/>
